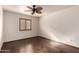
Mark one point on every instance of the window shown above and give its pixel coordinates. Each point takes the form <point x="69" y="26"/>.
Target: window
<point x="25" y="24"/>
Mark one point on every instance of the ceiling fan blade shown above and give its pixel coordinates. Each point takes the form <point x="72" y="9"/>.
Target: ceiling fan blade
<point x="39" y="8"/>
<point x="39" y="12"/>
<point x="32" y="13"/>
<point x="29" y="7"/>
<point x="34" y="9"/>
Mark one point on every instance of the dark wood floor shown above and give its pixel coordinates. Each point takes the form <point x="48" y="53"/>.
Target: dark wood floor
<point x="37" y="45"/>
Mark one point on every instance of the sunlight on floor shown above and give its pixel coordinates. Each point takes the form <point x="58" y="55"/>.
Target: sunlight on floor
<point x="27" y="49"/>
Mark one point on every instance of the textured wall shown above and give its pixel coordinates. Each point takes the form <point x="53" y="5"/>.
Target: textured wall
<point x="62" y="26"/>
<point x="11" y="27"/>
<point x="1" y="25"/>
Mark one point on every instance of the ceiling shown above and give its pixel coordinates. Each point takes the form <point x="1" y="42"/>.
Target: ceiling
<point x="47" y="9"/>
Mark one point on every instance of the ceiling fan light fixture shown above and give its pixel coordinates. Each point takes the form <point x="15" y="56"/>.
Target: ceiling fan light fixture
<point x="35" y="9"/>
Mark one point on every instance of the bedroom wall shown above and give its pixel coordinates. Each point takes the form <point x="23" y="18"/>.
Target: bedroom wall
<point x="1" y="25"/>
<point x="11" y="26"/>
<point x="61" y="26"/>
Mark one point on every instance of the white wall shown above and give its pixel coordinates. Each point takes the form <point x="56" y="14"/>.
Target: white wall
<point x="62" y="26"/>
<point x="11" y="27"/>
<point x="1" y="25"/>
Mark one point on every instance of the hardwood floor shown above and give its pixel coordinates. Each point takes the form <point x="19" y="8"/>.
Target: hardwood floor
<point x="37" y="45"/>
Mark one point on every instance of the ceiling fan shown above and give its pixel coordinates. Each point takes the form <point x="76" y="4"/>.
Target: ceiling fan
<point x="34" y="9"/>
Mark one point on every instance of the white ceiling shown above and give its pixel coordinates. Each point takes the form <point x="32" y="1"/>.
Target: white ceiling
<point x="47" y="9"/>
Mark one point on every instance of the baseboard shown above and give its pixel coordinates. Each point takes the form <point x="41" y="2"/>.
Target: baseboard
<point x="42" y="37"/>
<point x="1" y="44"/>
<point x="63" y="42"/>
<point x="21" y="39"/>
